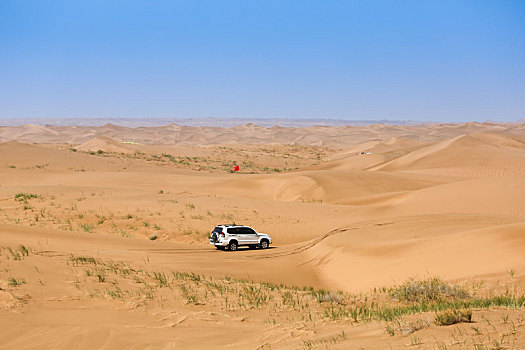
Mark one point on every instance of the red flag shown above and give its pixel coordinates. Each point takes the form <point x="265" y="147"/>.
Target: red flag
<point x="236" y="168"/>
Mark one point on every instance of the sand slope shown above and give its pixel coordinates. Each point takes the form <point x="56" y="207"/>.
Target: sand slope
<point x="473" y="154"/>
<point x="347" y="258"/>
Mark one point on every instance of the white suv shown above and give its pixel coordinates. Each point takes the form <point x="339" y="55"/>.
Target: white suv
<point x="234" y="236"/>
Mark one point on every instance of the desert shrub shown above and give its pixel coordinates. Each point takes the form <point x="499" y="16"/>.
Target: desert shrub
<point x="115" y="293"/>
<point x="13" y="282"/>
<point x="22" y="249"/>
<point x="161" y="278"/>
<point x="82" y="260"/>
<point x="324" y="296"/>
<point x="87" y="227"/>
<point x="398" y="326"/>
<point x="254" y="295"/>
<point x="449" y="317"/>
<point x="101" y="277"/>
<point x="22" y="196"/>
<point x="427" y="290"/>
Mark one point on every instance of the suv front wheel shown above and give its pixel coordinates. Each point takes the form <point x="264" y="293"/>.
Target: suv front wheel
<point x="264" y="244"/>
<point x="232" y="246"/>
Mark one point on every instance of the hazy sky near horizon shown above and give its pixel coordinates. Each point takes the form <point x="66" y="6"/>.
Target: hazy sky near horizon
<point x="418" y="60"/>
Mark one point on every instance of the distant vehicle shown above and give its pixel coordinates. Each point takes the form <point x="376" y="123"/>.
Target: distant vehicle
<point x="235" y="236"/>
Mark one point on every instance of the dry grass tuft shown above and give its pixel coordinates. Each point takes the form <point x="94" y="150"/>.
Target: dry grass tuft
<point x="449" y="317"/>
<point x="431" y="289"/>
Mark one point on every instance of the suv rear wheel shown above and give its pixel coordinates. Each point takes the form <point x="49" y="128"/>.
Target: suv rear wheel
<point x="232" y="246"/>
<point x="264" y="244"/>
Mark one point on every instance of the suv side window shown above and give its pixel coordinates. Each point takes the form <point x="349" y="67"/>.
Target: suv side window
<point x="248" y="231"/>
<point x="233" y="231"/>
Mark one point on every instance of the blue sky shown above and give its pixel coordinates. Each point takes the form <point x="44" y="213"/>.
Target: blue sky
<point x="417" y="60"/>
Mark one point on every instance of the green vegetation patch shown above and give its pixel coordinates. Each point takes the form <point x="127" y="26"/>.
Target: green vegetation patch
<point x="13" y="282"/>
<point x="22" y="196"/>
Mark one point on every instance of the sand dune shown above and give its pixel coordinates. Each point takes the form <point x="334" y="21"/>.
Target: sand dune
<point x="338" y="137"/>
<point x="38" y="158"/>
<point x="467" y="152"/>
<point x="28" y="133"/>
<point x="333" y="186"/>
<point x="104" y="144"/>
<point x="444" y="200"/>
<point x="346" y="259"/>
<point x="502" y="195"/>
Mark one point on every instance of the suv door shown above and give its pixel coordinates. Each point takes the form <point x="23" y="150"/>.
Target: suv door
<point x="242" y="236"/>
<point x="233" y="232"/>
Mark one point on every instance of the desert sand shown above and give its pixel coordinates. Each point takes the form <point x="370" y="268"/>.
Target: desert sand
<point x="355" y="212"/>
